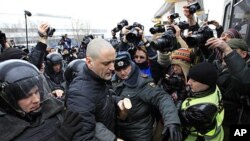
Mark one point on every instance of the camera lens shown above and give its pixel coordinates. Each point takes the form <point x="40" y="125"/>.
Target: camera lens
<point x="132" y="35"/>
<point x="152" y="30"/>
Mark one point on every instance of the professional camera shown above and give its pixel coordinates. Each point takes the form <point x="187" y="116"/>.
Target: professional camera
<point x="157" y="29"/>
<point x="121" y="24"/>
<point x="199" y="38"/>
<point x="167" y="42"/>
<point x="87" y="39"/>
<point x="116" y="29"/>
<point x="133" y="35"/>
<point x="50" y="31"/>
<point x="175" y="86"/>
<point x="174" y="16"/>
<point x="183" y="25"/>
<point x="174" y="82"/>
<point x="193" y="7"/>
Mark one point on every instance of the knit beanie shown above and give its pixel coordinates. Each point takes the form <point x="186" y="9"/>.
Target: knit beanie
<point x="182" y="58"/>
<point x="204" y="73"/>
<point x="233" y="33"/>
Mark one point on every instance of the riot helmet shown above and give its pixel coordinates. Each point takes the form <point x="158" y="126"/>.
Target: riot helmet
<point x="73" y="68"/>
<point x="53" y="59"/>
<point x="17" y="78"/>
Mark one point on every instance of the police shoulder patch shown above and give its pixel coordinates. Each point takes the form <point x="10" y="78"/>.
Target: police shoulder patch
<point x="144" y="75"/>
<point x="152" y="84"/>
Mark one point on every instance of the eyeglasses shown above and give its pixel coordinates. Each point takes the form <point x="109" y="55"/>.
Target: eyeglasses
<point x="141" y="57"/>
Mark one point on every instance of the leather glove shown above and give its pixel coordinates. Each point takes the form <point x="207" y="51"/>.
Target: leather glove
<point x="173" y="132"/>
<point x="69" y="126"/>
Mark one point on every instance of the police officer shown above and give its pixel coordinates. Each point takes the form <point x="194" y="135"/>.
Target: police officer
<point x="54" y="73"/>
<point x="201" y="112"/>
<point x="27" y="112"/>
<point x="144" y="94"/>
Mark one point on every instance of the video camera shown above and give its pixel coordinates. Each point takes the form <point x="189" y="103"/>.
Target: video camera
<point x="116" y="29"/>
<point x="119" y="27"/>
<point x="167" y="42"/>
<point x="121" y="24"/>
<point x="193" y="7"/>
<point x="133" y="34"/>
<point x="199" y="38"/>
<point x="87" y="39"/>
<point x="174" y="16"/>
<point x="182" y="24"/>
<point x="50" y="31"/>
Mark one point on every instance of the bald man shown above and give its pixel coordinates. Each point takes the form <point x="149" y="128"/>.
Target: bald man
<point x="89" y="93"/>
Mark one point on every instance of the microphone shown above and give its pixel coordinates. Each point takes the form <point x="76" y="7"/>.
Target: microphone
<point x="27" y="13"/>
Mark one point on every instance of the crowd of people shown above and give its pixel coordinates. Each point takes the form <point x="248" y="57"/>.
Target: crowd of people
<point x="169" y="86"/>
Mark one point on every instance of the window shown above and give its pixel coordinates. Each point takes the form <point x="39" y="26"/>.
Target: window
<point x="227" y="16"/>
<point x="241" y="17"/>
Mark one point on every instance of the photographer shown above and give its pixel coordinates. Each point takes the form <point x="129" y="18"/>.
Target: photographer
<point x="82" y="50"/>
<point x="114" y="40"/>
<point x="197" y="41"/>
<point x="189" y="13"/>
<point x="131" y="36"/>
<point x="234" y="81"/>
<point x="174" y="81"/>
<point x="176" y="75"/>
<point x="219" y="29"/>
<point x="168" y="42"/>
<point x="65" y="42"/>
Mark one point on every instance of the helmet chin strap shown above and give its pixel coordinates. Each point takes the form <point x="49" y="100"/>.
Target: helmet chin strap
<point x="31" y="116"/>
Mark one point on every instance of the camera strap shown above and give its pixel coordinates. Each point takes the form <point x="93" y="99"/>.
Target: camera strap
<point x="42" y="35"/>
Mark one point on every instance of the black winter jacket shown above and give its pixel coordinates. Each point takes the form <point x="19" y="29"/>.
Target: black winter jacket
<point x="42" y="129"/>
<point x="89" y="95"/>
<point x="234" y="83"/>
<point x="144" y="95"/>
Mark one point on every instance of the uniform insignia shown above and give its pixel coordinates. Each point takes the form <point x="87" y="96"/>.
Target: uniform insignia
<point x="144" y="75"/>
<point x="120" y="63"/>
<point x="152" y="84"/>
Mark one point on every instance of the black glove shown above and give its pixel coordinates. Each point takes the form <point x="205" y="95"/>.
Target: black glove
<point x="69" y="126"/>
<point x="173" y="131"/>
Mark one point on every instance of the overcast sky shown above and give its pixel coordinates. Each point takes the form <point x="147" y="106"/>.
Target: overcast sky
<point x="99" y="13"/>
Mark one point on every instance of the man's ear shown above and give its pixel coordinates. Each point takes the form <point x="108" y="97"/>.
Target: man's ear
<point x="244" y="54"/>
<point x="89" y="62"/>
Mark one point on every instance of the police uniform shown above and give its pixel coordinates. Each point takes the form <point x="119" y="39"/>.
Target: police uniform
<point x="144" y="94"/>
